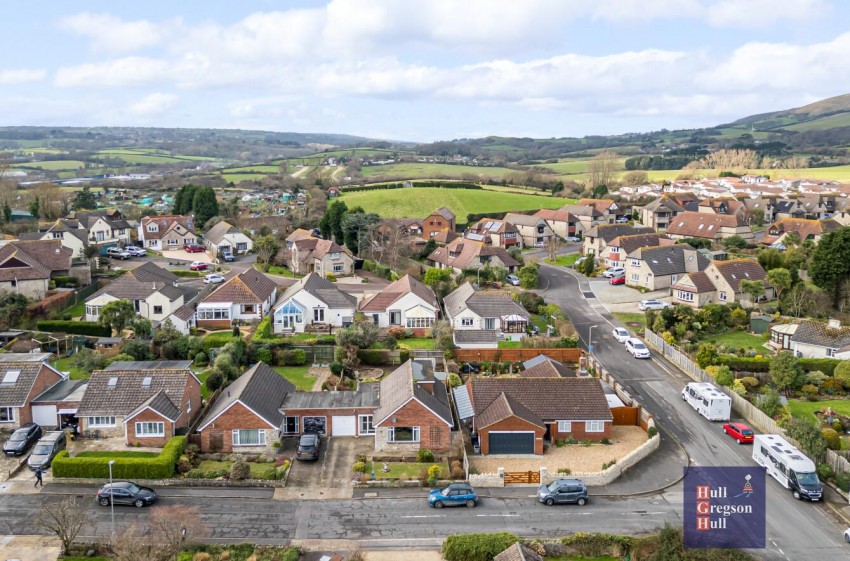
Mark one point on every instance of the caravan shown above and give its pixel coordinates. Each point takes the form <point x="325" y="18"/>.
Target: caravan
<point x="710" y="402"/>
<point x="790" y="467"/>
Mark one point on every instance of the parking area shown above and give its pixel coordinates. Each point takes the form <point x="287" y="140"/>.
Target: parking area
<point x="333" y="468"/>
<point x="184" y="255"/>
<point x="622" y="298"/>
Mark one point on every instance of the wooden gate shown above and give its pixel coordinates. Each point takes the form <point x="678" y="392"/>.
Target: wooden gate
<point x="522" y="477"/>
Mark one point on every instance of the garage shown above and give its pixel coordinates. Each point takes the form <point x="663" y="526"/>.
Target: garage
<point x="44" y="415"/>
<point x="511" y="443"/>
<point x="315" y="424"/>
<point x="343" y="425"/>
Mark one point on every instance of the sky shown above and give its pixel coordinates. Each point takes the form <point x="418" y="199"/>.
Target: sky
<point x="419" y="70"/>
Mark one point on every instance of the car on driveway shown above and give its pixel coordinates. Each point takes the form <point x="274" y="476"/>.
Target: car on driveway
<point x="136" y="251"/>
<point x="126" y="493"/>
<point x="228" y="257"/>
<point x="636" y="348"/>
<point x="21" y="440"/>
<point x="308" y="447"/>
<point x="456" y="494"/>
<point x="614" y="272"/>
<point x="623" y="220"/>
<point x="652" y="305"/>
<point x="617" y="280"/>
<point x="512" y="279"/>
<point x="213" y="278"/>
<point x="563" y="491"/>
<point x="193" y="248"/>
<point x="198" y="266"/>
<point x="621" y="334"/>
<point x="117" y="253"/>
<point x="573" y="239"/>
<point x="740" y="432"/>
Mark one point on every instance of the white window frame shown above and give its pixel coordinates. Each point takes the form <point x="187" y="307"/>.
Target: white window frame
<point x="391" y="435"/>
<point x="721" y="296"/>
<point x="10" y="414"/>
<point x="213" y="313"/>
<point x="419" y="322"/>
<point x="92" y="310"/>
<point x="236" y="437"/>
<point x="467" y="322"/>
<point x="339" y="267"/>
<point x="319" y="315"/>
<point x="369" y="428"/>
<point x="150" y="429"/>
<point x="565" y="426"/>
<point x="101" y="422"/>
<point x="594" y="426"/>
<point x="685" y="296"/>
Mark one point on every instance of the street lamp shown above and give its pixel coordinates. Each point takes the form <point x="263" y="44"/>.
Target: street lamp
<point x="479" y="276"/>
<point x="111" y="497"/>
<point x="590" y="338"/>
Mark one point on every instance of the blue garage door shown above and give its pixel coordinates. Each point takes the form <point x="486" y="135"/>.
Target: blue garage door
<point x="512" y="443"/>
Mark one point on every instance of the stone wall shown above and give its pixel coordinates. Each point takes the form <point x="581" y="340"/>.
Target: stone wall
<point x="607" y="476"/>
<point x="487" y="479"/>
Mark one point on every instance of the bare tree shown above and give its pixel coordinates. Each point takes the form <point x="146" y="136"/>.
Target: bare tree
<point x="553" y="246"/>
<point x="601" y="169"/>
<point x="731" y="160"/>
<point x="65" y="520"/>
<point x="172" y="529"/>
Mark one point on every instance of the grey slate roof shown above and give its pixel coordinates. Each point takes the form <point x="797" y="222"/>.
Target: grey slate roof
<point x="141" y="282"/>
<point x="261" y="389"/>
<point x="484" y="303"/>
<point x="366" y="396"/>
<point x="821" y="335"/>
<point x="469" y="336"/>
<point x="160" y="403"/>
<point x="129" y="391"/>
<point x="610" y="231"/>
<point x="670" y="259"/>
<point x="14" y="394"/>
<point x="321" y="288"/>
<point x="66" y="390"/>
<point x="217" y="232"/>
<point x="664" y="204"/>
<point x="399" y="387"/>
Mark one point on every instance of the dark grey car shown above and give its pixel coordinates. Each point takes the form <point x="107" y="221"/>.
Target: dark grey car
<point x="22" y="439"/>
<point x="308" y="447"/>
<point x="563" y="491"/>
<point x="126" y="493"/>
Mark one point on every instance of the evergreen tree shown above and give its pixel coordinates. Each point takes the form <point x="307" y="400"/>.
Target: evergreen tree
<point x="85" y="199"/>
<point x="204" y="205"/>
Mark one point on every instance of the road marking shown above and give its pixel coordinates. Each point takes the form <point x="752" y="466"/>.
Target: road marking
<point x="423" y="516"/>
<point x="499" y="515"/>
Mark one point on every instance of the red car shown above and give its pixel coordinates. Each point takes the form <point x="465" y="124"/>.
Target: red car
<point x="740" y="432"/>
<point x="198" y="266"/>
<point x="617" y="280"/>
<point x="193" y="248"/>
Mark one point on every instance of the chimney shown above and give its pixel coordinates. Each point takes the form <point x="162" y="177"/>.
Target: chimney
<point x="834" y="323"/>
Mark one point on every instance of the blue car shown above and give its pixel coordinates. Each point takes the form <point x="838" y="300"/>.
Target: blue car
<point x="456" y="494"/>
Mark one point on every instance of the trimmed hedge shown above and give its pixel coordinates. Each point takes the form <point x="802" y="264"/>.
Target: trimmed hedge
<point x="752" y="364"/>
<point x="477" y="547"/>
<point x="388" y="186"/>
<point x="374" y="357"/>
<point x="160" y="467"/>
<point x="66" y="281"/>
<point x="74" y="327"/>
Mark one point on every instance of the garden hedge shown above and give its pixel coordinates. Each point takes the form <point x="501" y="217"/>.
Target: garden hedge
<point x="752" y="364"/>
<point x="160" y="467"/>
<point x="477" y="547"/>
<point x="74" y="327"/>
<point x="400" y="185"/>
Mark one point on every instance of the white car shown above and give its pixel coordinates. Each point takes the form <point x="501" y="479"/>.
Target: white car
<point x="136" y="251"/>
<point x="573" y="239"/>
<point x="847" y="535"/>
<point x="652" y="305"/>
<point x="117" y="253"/>
<point x="623" y="220"/>
<point x="512" y="279"/>
<point x="614" y="272"/>
<point x="213" y="278"/>
<point x="621" y="334"/>
<point x="636" y="348"/>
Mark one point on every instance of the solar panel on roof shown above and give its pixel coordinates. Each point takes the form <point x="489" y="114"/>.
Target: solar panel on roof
<point x="113" y="381"/>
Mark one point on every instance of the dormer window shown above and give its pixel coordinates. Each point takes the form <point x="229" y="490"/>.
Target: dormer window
<point x="335" y="255"/>
<point x="153" y="228"/>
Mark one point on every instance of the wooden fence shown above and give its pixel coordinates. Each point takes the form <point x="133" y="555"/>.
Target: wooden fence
<point x="570" y="356"/>
<point x="522" y="477"/>
<point x="739" y="404"/>
<point x="626" y="416"/>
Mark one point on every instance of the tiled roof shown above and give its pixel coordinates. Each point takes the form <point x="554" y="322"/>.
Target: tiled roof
<point x="503" y="407"/>
<point x="518" y="552"/>
<point x="160" y="403"/>
<point x="737" y="270"/>
<point x="599" y="204"/>
<point x="321" y="288"/>
<point x="547" y="369"/>
<point x="821" y="334"/>
<point x="703" y="224"/>
<point x="30" y="260"/>
<point x="250" y="287"/>
<point x="314" y="248"/>
<point x="141" y="282"/>
<point x="555" y="215"/>
<point x="700" y="280"/>
<point x="470" y="336"/>
<point x="396" y="290"/>
<point x="260" y="388"/>
<point x="580" y="399"/>
<point x="806" y="229"/>
<point x="166" y="224"/>
<point x="217" y="232"/>
<point x="671" y="259"/>
<point x="466" y="251"/>
<point x="445" y="236"/>
<point x="147" y="272"/>
<point x="634" y="241"/>
<point x="399" y="387"/>
<point x="445" y="213"/>
<point x="130" y="390"/>
<point x="609" y="232"/>
<point x="299" y="234"/>
<point x="664" y="203"/>
<point x="523" y="219"/>
<point x="14" y="392"/>
<point x="577" y="210"/>
<point x="484" y="303"/>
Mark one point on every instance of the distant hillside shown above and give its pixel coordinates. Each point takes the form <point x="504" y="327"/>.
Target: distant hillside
<point x="833" y="112"/>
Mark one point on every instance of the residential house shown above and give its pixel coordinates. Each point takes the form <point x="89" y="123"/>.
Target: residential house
<point x="27" y="266"/>
<point x="405" y="302"/>
<point x="462" y="253"/>
<point x="313" y="304"/>
<point x="333" y="413"/>
<point x="275" y="225"/>
<point x="153" y="291"/>
<point x="586" y="217"/>
<point x="659" y="213"/>
<point x="720" y="283"/>
<point x="723" y="205"/>
<point x="161" y="233"/>
<point x="445" y="237"/>
<point x="438" y="221"/>
<point x="517" y="415"/>
<point x="609" y="209"/>
<point x="804" y="229"/>
<point x="102" y="228"/>
<point x="535" y="231"/>
<point x="23" y="376"/>
<point x="414" y="410"/>
<point x="247" y="415"/>
<point x="144" y="402"/>
<point x="518" y="552"/>
<point x="618" y="249"/>
<point x="813" y="339"/>
<point x="247" y="297"/>
<point x="479" y="317"/>
<point x="654" y="268"/>
<point x="562" y="223"/>
<point x="597" y="238"/>
<point x="496" y="233"/>
<point x="324" y="257"/>
<point x="297" y="235"/>
<point x="709" y="226"/>
<point x="756" y="206"/>
<point x="542" y="366"/>
<point x="58" y="403"/>
<point x="224" y="238"/>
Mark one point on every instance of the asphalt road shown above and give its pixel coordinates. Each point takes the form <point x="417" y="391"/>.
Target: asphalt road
<point x="795" y="530"/>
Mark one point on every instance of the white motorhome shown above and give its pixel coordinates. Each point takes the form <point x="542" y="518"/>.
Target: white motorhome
<point x="790" y="467"/>
<point x="709" y="401"/>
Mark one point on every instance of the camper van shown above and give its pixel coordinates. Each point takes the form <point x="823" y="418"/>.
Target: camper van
<point x="710" y="402"/>
<point x="790" y="467"/>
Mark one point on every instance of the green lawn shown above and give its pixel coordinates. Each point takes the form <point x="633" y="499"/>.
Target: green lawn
<point x="117" y="454"/>
<point x="540" y="322"/>
<point x="298" y="376"/>
<point x="202" y="376"/>
<point x="806" y="409"/>
<point x="419" y="201"/>
<point x="257" y="470"/>
<point x="64" y="365"/>
<point x="420" y="170"/>
<point x="296" y="337"/>
<point x="738" y="340"/>
<point x="417" y="343"/>
<point x="565" y="260"/>
<point x="406" y="470"/>
<point x="277" y="270"/>
<point x="510" y="344"/>
<point x="631" y="318"/>
<point x="217" y="339"/>
<point x="77" y="310"/>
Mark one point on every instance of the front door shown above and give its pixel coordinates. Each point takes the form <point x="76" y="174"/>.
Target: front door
<point x="216" y="440"/>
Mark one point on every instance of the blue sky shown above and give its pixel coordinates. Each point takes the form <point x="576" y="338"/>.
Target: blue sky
<point x="419" y="70"/>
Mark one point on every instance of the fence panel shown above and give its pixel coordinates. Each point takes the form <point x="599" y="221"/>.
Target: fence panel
<point x="318" y="354"/>
<point x="513" y="355"/>
<point x="625" y="416"/>
<point x="522" y="477"/>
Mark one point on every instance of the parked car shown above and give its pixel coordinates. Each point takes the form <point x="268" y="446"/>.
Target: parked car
<point x="193" y="248"/>
<point x="136" y="251"/>
<point x="740" y="432"/>
<point x="847" y="535"/>
<point x="22" y="439"/>
<point x="617" y="280"/>
<point x="652" y="305"/>
<point x="228" y="257"/>
<point x="456" y="494"/>
<point x="621" y="334"/>
<point x="512" y="279"/>
<point x="636" y="347"/>
<point x="308" y="447"/>
<point x="126" y="493"/>
<point x="213" y="278"/>
<point x="614" y="272"/>
<point x="198" y="266"/>
<point x="118" y="253"/>
<point x="573" y="239"/>
<point x="623" y="219"/>
<point x="563" y="491"/>
<point x="46" y="449"/>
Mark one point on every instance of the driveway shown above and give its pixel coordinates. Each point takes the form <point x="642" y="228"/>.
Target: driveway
<point x="621" y="298"/>
<point x="332" y="471"/>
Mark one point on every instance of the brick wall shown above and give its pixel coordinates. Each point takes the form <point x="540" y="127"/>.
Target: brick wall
<point x="414" y="414"/>
<point x="214" y="323"/>
<point x="512" y="424"/>
<point x="579" y="433"/>
<point x="153" y="416"/>
<point x="237" y="417"/>
<point x="192" y="392"/>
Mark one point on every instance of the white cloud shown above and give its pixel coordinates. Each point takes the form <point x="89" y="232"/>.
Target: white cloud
<point x="128" y="71"/>
<point x="11" y="77"/>
<point x="154" y="104"/>
<point x="763" y="13"/>
<point x="111" y="34"/>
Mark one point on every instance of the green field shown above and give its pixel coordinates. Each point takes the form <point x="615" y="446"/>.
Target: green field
<point x="574" y="166"/>
<point x="419" y="201"/>
<point x="54" y="165"/>
<point x="831" y="121"/>
<point x="738" y="340"/>
<point x="418" y="170"/>
<point x="237" y="177"/>
<point x="252" y="169"/>
<point x="806" y="409"/>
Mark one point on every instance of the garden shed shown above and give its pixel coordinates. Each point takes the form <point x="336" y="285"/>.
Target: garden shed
<point x="760" y="323"/>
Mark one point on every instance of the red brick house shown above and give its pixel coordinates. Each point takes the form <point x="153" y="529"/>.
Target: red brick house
<point x="146" y="402"/>
<point x="438" y="221"/>
<point x="516" y="415"/>
<point x="247" y="415"/>
<point x="23" y="376"/>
